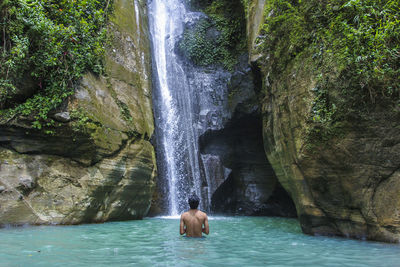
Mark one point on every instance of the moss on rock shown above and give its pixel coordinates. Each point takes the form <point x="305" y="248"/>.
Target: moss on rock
<point x="219" y="38"/>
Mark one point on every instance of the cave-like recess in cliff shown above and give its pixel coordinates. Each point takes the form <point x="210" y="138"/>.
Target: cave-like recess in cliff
<point x="251" y="187"/>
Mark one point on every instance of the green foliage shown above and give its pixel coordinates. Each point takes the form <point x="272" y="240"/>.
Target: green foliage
<point x="323" y="110"/>
<point x="355" y="45"/>
<point x="51" y="43"/>
<point x="124" y="109"/>
<point x="245" y="4"/>
<point x="218" y="39"/>
<point x="365" y="38"/>
<point x="196" y="46"/>
<point x="80" y="120"/>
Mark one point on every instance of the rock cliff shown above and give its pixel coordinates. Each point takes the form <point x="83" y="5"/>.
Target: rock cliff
<point x="98" y="164"/>
<point x="343" y="184"/>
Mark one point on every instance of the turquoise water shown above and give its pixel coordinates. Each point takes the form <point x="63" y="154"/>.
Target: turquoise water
<point x="233" y="241"/>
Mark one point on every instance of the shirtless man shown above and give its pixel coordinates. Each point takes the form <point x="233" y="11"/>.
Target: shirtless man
<point x="194" y="222"/>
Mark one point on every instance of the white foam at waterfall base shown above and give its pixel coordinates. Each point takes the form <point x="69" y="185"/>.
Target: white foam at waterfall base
<point x="169" y="217"/>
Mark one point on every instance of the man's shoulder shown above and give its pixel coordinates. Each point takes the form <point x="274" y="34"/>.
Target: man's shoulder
<point x="202" y="214"/>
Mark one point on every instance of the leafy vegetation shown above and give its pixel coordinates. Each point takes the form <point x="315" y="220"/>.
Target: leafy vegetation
<point x="245" y="4"/>
<point x="220" y="38"/>
<point x="355" y="46"/>
<point x="48" y="45"/>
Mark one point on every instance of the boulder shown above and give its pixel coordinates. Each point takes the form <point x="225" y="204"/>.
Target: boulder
<point x="62" y="117"/>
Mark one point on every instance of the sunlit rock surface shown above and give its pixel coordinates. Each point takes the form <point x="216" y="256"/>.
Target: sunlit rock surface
<point x="347" y="186"/>
<point x="99" y="165"/>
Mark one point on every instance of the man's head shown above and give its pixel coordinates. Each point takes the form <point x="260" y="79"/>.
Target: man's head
<point x="194" y="201"/>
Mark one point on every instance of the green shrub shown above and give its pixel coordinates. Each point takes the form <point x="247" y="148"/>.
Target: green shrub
<point x="355" y="45"/>
<point x="228" y="19"/>
<point x="197" y="46"/>
<point x="365" y="38"/>
<point x="53" y="43"/>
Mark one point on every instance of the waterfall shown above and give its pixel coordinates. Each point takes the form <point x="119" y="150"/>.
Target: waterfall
<point x="188" y="101"/>
<point x="207" y="122"/>
<point x="177" y="139"/>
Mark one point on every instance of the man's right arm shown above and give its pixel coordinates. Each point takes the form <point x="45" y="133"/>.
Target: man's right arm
<point x="206" y="228"/>
<point x="182" y="229"/>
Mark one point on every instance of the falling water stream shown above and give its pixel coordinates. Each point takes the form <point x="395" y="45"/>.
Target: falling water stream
<point x="177" y="138"/>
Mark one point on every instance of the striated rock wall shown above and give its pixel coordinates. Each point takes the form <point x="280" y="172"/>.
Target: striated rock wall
<point x="346" y="185"/>
<point x="99" y="164"/>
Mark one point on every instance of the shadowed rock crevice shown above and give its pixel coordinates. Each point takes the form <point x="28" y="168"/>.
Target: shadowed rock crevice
<point x="251" y="188"/>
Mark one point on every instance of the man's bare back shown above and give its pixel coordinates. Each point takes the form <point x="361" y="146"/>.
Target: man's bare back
<point x="194" y="222"/>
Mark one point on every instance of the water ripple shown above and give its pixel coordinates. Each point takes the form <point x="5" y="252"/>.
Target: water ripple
<point x="233" y="241"/>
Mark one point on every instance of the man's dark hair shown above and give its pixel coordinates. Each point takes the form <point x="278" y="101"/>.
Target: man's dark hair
<point x="194" y="201"/>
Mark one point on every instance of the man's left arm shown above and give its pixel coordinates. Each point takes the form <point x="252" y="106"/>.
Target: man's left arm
<point x="206" y="228"/>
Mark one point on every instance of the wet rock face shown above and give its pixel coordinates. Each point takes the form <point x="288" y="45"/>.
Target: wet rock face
<point x="347" y="185"/>
<point x="99" y="164"/>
